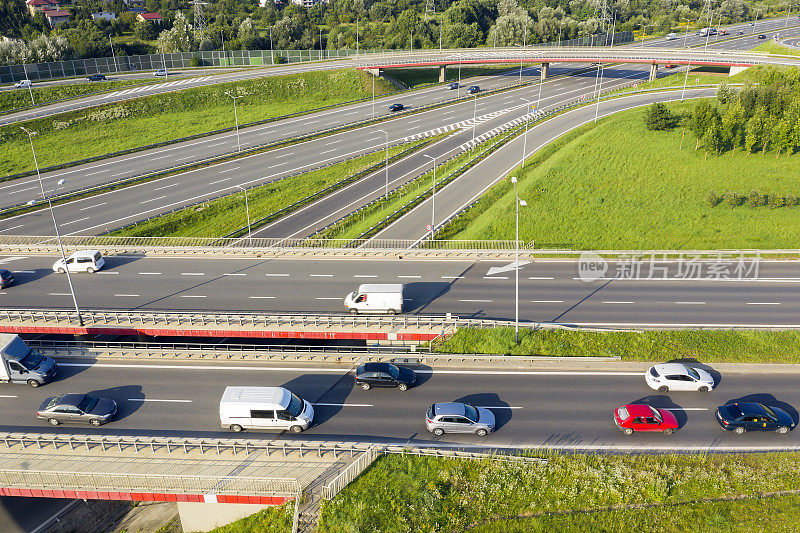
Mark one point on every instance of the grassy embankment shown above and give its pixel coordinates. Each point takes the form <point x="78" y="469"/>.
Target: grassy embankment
<point x="369" y="216"/>
<point x="268" y="520"/>
<point x="771" y="47"/>
<point x="707" y="346"/>
<point x="158" y="118"/>
<point x="219" y="217"/>
<point x="10" y="100"/>
<point x="570" y="493"/>
<point x="413" y="77"/>
<point x="617" y="185"/>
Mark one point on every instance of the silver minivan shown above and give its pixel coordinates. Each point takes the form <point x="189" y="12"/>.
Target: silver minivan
<point x="456" y="417"/>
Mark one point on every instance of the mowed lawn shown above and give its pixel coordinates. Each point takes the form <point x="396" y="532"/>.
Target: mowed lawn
<point x="617" y="185"/>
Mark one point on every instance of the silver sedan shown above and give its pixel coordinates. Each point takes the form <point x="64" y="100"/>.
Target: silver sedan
<point x="78" y="408"/>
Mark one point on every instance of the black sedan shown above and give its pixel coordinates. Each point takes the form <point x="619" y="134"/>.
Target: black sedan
<point x="396" y="107"/>
<point x="750" y="416"/>
<point x="6" y="278"/>
<point x="762" y="36"/>
<point x="384" y="375"/>
<point x="79" y="408"/>
<point x="96" y="77"/>
<point x="474" y="90"/>
<point x="453" y="85"/>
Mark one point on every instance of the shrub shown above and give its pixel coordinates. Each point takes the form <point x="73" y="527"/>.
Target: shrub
<point x="713" y="199"/>
<point x="195" y="62"/>
<point x="658" y="117"/>
<point x="777" y="200"/>
<point x="792" y="200"/>
<point x="732" y="199"/>
<point x="278" y="58"/>
<point x="755" y="199"/>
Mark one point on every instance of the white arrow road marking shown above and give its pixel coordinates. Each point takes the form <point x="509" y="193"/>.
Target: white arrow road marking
<point x="509" y="267"/>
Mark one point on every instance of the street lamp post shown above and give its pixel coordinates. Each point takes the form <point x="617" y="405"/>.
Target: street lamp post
<point x="525" y="137"/>
<point x="320" y="44"/>
<point x="708" y="32"/>
<point x="644" y="32"/>
<point x="386" y="166"/>
<point x="517" y="204"/>
<point x="116" y="67"/>
<point x="474" y="119"/>
<point x="358" y="21"/>
<point x="599" y="89"/>
<point x="373" y="96"/>
<point x="247" y="209"/>
<point x="271" y="51"/>
<point x="164" y="61"/>
<point x="524" y="43"/>
<point x="236" y="118"/>
<point x="433" y="195"/>
<point x="441" y="24"/>
<point x="686" y="35"/>
<point x="55" y="224"/>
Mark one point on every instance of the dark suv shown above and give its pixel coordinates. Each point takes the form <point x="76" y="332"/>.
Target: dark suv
<point x="473" y="90"/>
<point x="6" y="278"/>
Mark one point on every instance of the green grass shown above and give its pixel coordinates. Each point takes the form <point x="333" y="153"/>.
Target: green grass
<point x="413" y="77"/>
<point x="10" y="100"/>
<point x="617" y="185"/>
<point x="709" y="346"/>
<point x="780" y="513"/>
<point x="268" y="520"/>
<point x="771" y="47"/>
<point x="219" y="217"/>
<point x="163" y="117"/>
<point x="405" y="493"/>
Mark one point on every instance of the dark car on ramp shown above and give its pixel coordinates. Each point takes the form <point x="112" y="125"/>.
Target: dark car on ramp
<point x="371" y="375"/>
<point x="751" y="416"/>
<point x="453" y="85"/>
<point x="762" y="36"/>
<point x="474" y="90"/>
<point x="96" y="77"/>
<point x="77" y="408"/>
<point x="396" y="107"/>
<point x="6" y="278"/>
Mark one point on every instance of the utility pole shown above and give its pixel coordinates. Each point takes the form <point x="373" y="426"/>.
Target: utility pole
<point x="116" y="67"/>
<point x="236" y="118"/>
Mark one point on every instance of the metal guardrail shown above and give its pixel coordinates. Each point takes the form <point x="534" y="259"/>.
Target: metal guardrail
<point x="135" y="482"/>
<point x="355" y="469"/>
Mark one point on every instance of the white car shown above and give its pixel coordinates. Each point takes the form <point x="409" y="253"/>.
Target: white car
<point x="678" y="377"/>
<point x="160" y="72"/>
<point x="83" y="261"/>
<point x="22" y="84"/>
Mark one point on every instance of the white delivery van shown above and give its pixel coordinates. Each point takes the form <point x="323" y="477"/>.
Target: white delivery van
<point x="20" y="364"/>
<point x="376" y="298"/>
<point x="83" y="261"/>
<point x="264" y="408"/>
<point x="672" y="36"/>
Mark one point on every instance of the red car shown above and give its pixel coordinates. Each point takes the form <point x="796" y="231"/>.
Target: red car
<point x="638" y="417"/>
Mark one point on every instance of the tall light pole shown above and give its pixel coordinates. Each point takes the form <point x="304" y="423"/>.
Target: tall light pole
<point x="708" y="32"/>
<point x="686" y="35"/>
<point x="525" y="137"/>
<point x="373" y="96"/>
<point x="164" y="61"/>
<point x="247" y="208"/>
<point x="474" y="118"/>
<point x="55" y="224"/>
<point x="320" y="44"/>
<point x="236" y="118"/>
<point x="433" y="195"/>
<point x="599" y="89"/>
<point x="644" y="32"/>
<point x="116" y="67"/>
<point x="412" y="41"/>
<point x="271" y="51"/>
<point x="524" y="43"/>
<point x="357" y="24"/>
<point x="386" y="166"/>
<point x="441" y="24"/>
<point x="788" y="12"/>
<point x="517" y="204"/>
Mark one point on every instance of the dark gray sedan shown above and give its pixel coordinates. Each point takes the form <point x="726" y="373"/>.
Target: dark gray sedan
<point x="371" y="375"/>
<point x="79" y="408"/>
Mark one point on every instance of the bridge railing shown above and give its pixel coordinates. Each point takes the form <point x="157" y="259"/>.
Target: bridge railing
<point x="355" y="469"/>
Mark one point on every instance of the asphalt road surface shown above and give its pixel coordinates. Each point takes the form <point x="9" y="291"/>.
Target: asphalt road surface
<point x="715" y="293"/>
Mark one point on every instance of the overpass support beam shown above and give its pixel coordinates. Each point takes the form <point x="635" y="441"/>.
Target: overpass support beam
<point x="736" y="70"/>
<point x="545" y="71"/>
<point x="442" y="73"/>
<point x="653" y="71"/>
<point x="374" y="71"/>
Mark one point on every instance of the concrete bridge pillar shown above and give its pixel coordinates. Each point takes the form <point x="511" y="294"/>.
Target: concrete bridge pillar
<point x="736" y="70"/>
<point x="545" y="71"/>
<point x="442" y="73"/>
<point x="196" y="516"/>
<point x="374" y="71"/>
<point x="653" y="71"/>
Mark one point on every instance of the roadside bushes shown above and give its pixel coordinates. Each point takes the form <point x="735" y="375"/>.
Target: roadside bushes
<point x="659" y="117"/>
<point x="753" y="199"/>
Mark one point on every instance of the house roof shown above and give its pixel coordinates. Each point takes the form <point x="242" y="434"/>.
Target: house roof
<point x="53" y="13"/>
<point x="41" y="3"/>
<point x="150" y="16"/>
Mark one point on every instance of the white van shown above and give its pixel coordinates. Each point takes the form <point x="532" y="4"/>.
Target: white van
<point x="22" y="84"/>
<point x="83" y="261"/>
<point x="672" y="36"/>
<point x="264" y="408"/>
<point x="376" y="298"/>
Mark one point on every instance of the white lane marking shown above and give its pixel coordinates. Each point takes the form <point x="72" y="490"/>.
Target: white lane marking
<point x="219" y="181"/>
<point x="495" y="277"/>
<point x="127" y="295"/>
<point x="321" y="275"/>
<point x="75" y="221"/>
<point x="166" y="187"/>
<point x="261" y="297"/>
<point x="762" y="303"/>
<point x="22" y="190"/>
<point x="452" y="277"/>
<point x="157" y="400"/>
<point x="12" y="227"/>
<point x="234" y="274"/>
<point x="277" y="275"/>
<point x="193" y="273"/>
<point x="328" y="298"/>
<point x="24" y="272"/>
<point x="152" y="199"/>
<point x="149" y="273"/>
<point x="185" y="158"/>
<point x="327" y="151"/>
<point x="333" y="142"/>
<point x="731" y="280"/>
<point x="284" y="155"/>
<point x="547" y="301"/>
<point x="192" y="296"/>
<point x="278" y="165"/>
<point x="690" y="303"/>
<point x="216" y="144"/>
<point x="476" y="301"/>
<point x="58" y="294"/>
<point x="410" y="277"/>
<point x="540" y="277"/>
<point x="365" y="276"/>
<point x="92" y="206"/>
<point x="229" y="170"/>
<point x="6" y="396"/>
<point x="614" y="302"/>
<point x="160" y="157"/>
<point x="344" y="404"/>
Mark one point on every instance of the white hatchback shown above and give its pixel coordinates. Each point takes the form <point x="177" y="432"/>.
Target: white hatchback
<point x="83" y="261"/>
<point x="678" y="377"/>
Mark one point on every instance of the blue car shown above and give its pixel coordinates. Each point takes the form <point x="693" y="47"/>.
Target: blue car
<point x="751" y="416"/>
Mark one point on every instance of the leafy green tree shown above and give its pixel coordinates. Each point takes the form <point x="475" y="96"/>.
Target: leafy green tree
<point x="733" y="125"/>
<point x="512" y="26"/>
<point x="146" y="31"/>
<point x="770" y="122"/>
<point x="701" y="115"/>
<point x="754" y="130"/>
<point x="179" y="38"/>
<point x="659" y="117"/>
<point x="13" y="17"/>
<point x="713" y="138"/>
<point x="782" y="137"/>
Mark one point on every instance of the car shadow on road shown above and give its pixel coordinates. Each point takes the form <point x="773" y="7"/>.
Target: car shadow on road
<point x="419" y="295"/>
<point x="662" y="401"/>
<point x="326" y="392"/>
<point x="129" y="398"/>
<point x="423" y="373"/>
<point x="489" y="400"/>
<point x="770" y="401"/>
<point x="694" y="363"/>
